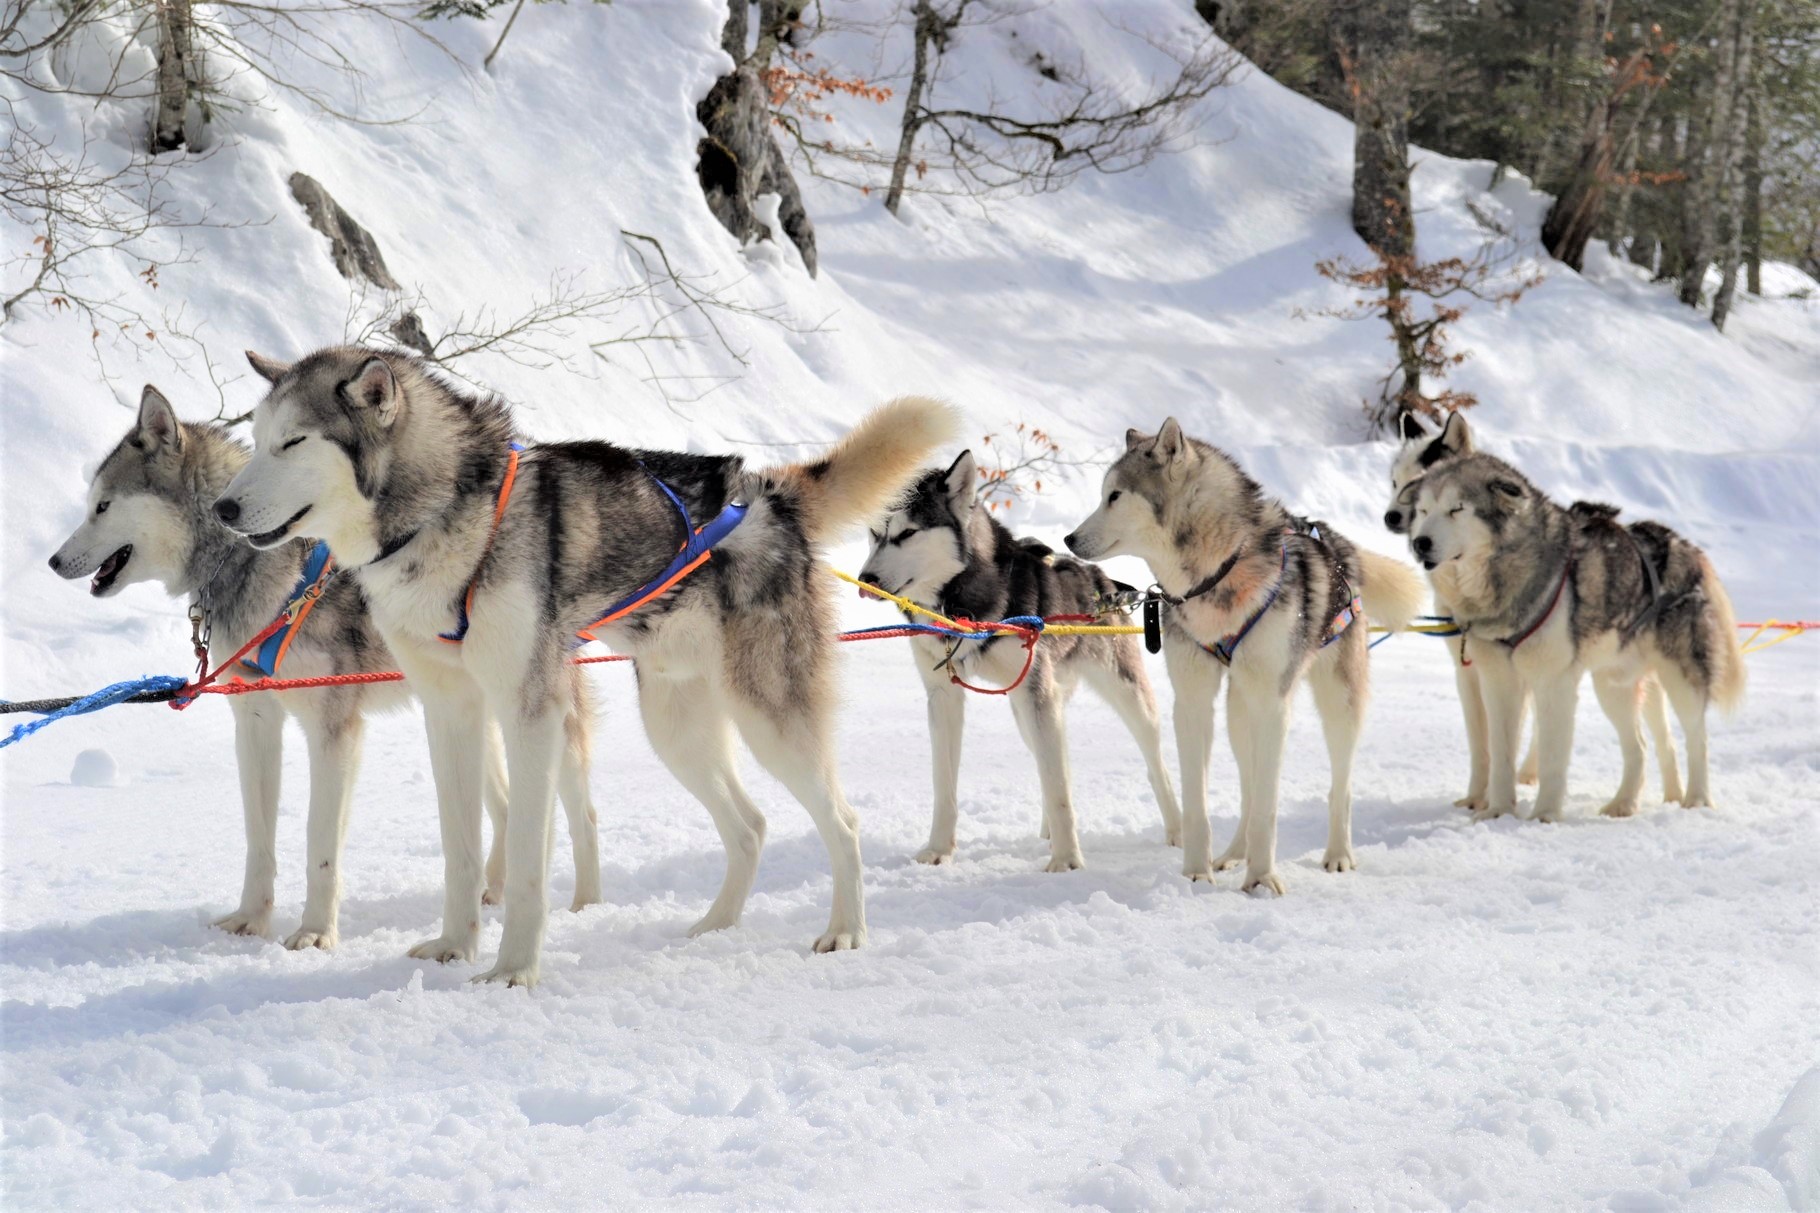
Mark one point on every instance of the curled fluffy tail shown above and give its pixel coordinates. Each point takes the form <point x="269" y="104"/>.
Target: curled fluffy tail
<point x="1394" y="593"/>
<point x="866" y="471"/>
<point x="1728" y="674"/>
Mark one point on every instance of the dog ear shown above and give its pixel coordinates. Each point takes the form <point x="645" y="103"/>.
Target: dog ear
<point x="1135" y="439"/>
<point x="158" y="427"/>
<point x="374" y="388"/>
<point x="1410" y="427"/>
<point x="1171" y="443"/>
<point x="270" y="369"/>
<point x="1456" y="437"/>
<point x="960" y="483"/>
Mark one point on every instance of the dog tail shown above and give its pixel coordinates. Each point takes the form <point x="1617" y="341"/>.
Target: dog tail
<point x="1394" y="593"/>
<point x="868" y="469"/>
<point x="1727" y="674"/>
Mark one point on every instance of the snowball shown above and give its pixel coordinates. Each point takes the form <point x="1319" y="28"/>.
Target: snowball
<point x="95" y="769"/>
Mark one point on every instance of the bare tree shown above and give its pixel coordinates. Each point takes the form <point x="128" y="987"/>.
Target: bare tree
<point x="1372" y="42"/>
<point x="1714" y="168"/>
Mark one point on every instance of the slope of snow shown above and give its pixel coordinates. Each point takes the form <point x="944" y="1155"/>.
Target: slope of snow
<point x="1592" y="1014"/>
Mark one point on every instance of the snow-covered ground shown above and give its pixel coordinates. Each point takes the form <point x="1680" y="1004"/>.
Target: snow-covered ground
<point x="1515" y="1016"/>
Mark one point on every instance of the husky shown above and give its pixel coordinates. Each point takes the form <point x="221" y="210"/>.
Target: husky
<point x="1249" y="587"/>
<point x="1546" y="593"/>
<point x="148" y="519"/>
<point x="941" y="550"/>
<point x="1420" y="450"/>
<point x="482" y="563"/>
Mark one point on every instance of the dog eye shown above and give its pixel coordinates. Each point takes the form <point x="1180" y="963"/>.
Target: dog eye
<point x="293" y="442"/>
<point x="1456" y="509"/>
<point x="903" y="535"/>
<point x="1113" y="496"/>
<point x="102" y="508"/>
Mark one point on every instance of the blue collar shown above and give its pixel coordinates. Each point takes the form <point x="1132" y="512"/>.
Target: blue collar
<point x="304" y="594"/>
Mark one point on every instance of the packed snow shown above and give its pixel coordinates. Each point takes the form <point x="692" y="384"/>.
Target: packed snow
<point x="1605" y="1014"/>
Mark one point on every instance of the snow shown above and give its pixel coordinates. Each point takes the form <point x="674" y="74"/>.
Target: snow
<point x="95" y="769"/>
<point x="1593" y="1014"/>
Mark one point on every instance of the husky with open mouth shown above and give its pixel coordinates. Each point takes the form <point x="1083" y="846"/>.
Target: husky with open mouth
<point x="483" y="559"/>
<point x="149" y="518"/>
<point x="1547" y="594"/>
<point x="1252" y="590"/>
<point x="941" y="549"/>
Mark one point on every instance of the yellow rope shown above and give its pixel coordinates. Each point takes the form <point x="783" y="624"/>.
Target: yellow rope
<point x="1789" y="632"/>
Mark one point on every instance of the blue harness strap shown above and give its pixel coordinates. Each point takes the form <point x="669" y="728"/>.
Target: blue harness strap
<point x="698" y="544"/>
<point x="270" y="655"/>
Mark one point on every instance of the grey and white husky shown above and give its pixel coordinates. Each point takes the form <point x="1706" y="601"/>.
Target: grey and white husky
<point x="149" y="519"/>
<point x="1422" y="449"/>
<point x="480" y="593"/>
<point x="1273" y="598"/>
<point x="1547" y="593"/>
<point x="942" y="550"/>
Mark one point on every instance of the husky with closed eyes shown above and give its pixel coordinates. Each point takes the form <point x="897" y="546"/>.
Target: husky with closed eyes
<point x="1421" y="449"/>
<point x="483" y="560"/>
<point x="149" y="519"/>
<point x="1546" y="594"/>
<point x="1270" y="597"/>
<point x="941" y="549"/>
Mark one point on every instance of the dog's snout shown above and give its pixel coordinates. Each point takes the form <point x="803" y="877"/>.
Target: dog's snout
<point x="1423" y="545"/>
<point x="1393" y="519"/>
<point x="227" y="510"/>
<point x="1069" y="539"/>
<point x="56" y="562"/>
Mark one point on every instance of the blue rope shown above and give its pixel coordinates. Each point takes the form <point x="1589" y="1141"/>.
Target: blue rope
<point x="106" y="697"/>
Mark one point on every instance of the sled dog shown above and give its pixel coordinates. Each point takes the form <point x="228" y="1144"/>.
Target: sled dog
<point x="149" y="519"/>
<point x="1421" y="449"/>
<point x="1251" y="588"/>
<point x="481" y="563"/>
<point x="1545" y="594"/>
<point x="941" y="550"/>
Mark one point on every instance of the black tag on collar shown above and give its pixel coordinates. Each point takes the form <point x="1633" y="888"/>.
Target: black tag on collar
<point x="1153" y="625"/>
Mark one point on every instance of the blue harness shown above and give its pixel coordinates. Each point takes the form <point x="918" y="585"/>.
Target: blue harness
<point x="1223" y="649"/>
<point x="270" y="655"/>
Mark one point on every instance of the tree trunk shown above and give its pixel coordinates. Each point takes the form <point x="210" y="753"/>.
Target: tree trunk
<point x="1705" y="195"/>
<point x="738" y="159"/>
<point x="1753" y="189"/>
<point x="175" y="76"/>
<point x="927" y="30"/>
<point x="1371" y="39"/>
<point x="1731" y="185"/>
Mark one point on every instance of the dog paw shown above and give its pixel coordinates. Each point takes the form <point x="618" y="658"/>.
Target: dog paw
<point x="1228" y="861"/>
<point x="1066" y="862"/>
<point x="1491" y="812"/>
<point x="1549" y="815"/>
<point x="1529" y="777"/>
<point x="513" y="975"/>
<point x="246" y="922"/>
<point x="835" y="940"/>
<point x="325" y="938"/>
<point x="443" y="949"/>
<point x="1697" y="798"/>
<point x="1172" y="837"/>
<point x="1622" y="806"/>
<point x="935" y="856"/>
<point x="1674" y="793"/>
<point x="493" y="894"/>
<point x="1339" y="861"/>
<point x="1042" y="831"/>
<point x="1475" y="803"/>
<point x="1263" y="882"/>
<point x="713" y="921"/>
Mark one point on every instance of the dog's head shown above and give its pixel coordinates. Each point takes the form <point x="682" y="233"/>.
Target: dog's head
<point x="1129" y="520"/>
<point x="1464" y="508"/>
<point x="1422" y="448"/>
<point x="320" y="442"/>
<point x="921" y="545"/>
<point x="137" y="523"/>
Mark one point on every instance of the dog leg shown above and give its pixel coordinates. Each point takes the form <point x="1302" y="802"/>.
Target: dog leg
<point x="1472" y="706"/>
<point x="947" y="719"/>
<point x="1655" y="715"/>
<point x="534" y="748"/>
<point x="334" y="760"/>
<point x="1556" y="698"/>
<point x="1196" y="679"/>
<point x="1529" y="771"/>
<point x="1618" y="696"/>
<point x="1130" y="695"/>
<point x="456" y="724"/>
<point x="798" y="753"/>
<point x="1689" y="703"/>
<point x="1259" y="723"/>
<point x="1503" y="692"/>
<point x="497" y="795"/>
<point x="1040" y="719"/>
<point x="258" y="745"/>
<point x="1342" y="709"/>
<point x="688" y="727"/>
<point x="578" y="804"/>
